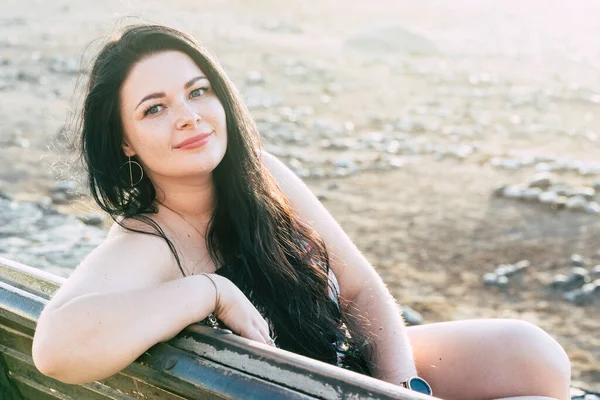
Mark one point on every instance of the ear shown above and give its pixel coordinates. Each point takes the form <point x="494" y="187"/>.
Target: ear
<point x="127" y="149"/>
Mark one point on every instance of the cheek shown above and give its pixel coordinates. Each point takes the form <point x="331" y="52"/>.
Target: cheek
<point x="152" y="140"/>
<point x="217" y="114"/>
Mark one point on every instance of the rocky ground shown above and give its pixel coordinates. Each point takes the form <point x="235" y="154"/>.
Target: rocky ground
<point x="455" y="143"/>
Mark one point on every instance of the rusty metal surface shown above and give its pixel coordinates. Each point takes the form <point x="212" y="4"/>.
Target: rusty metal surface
<point x="288" y="369"/>
<point x="199" y="363"/>
<point x="155" y="375"/>
<point x="33" y="280"/>
<point x="19" y="306"/>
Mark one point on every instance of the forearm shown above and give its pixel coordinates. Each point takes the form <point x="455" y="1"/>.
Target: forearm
<point x="391" y="355"/>
<point x="94" y="336"/>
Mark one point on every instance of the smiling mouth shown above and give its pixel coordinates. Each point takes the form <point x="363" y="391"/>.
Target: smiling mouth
<point x="194" y="141"/>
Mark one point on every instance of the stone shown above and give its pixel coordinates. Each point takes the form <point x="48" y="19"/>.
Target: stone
<point x="592" y="208"/>
<point x="337" y="144"/>
<point x="548" y="197"/>
<point x="499" y="190"/>
<point x="514" y="192"/>
<point x="502" y="281"/>
<point x="411" y="316"/>
<point x="31" y="78"/>
<point x="595" y="272"/>
<point x="543" y="167"/>
<point x="586" y="192"/>
<point x="583" y="295"/>
<point x="576" y="203"/>
<point x="20" y="142"/>
<point x="5" y="85"/>
<point x="496" y="162"/>
<point x="559" y="281"/>
<point x="64" y="65"/>
<point x="505" y="270"/>
<point x="561" y="189"/>
<point x="317" y="172"/>
<point x="541" y="181"/>
<point x="576" y="260"/>
<point x="511" y="164"/>
<point x="12" y="243"/>
<point x="43" y="238"/>
<point x="397" y="162"/>
<point x="521" y="265"/>
<point x="294" y="164"/>
<point x="591" y="396"/>
<point x="579" y="273"/>
<point x="588" y="169"/>
<point x="559" y="203"/>
<point x="532" y="194"/>
<point x="490" y="279"/>
<point x="92" y="219"/>
<point x="60" y="198"/>
<point x="344" y="163"/>
<point x="64" y="187"/>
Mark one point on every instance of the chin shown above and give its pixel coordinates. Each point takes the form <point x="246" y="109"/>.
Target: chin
<point x="206" y="163"/>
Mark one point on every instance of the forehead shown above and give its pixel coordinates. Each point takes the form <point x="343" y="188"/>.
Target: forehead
<point x="159" y="72"/>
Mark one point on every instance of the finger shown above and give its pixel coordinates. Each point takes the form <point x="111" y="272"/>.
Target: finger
<point x="261" y="319"/>
<point x="254" y="334"/>
<point x="265" y="336"/>
<point x="263" y="326"/>
<point x="264" y="331"/>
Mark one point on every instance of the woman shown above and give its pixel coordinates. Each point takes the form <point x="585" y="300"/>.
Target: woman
<point x="210" y="228"/>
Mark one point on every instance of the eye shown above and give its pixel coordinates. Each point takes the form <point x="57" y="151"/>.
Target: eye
<point x="198" y="92"/>
<point x="152" y="109"/>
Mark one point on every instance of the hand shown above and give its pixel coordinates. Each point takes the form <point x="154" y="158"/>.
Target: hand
<point x="239" y="314"/>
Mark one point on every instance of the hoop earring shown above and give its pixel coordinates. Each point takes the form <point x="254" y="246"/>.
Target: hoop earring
<point x="131" y="172"/>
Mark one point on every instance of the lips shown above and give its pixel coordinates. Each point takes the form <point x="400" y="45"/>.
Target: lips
<point x="193" y="139"/>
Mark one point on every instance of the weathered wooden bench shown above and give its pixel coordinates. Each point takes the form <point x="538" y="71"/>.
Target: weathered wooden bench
<point x="199" y="363"/>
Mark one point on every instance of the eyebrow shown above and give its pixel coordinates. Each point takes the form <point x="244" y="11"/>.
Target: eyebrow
<point x="158" y="95"/>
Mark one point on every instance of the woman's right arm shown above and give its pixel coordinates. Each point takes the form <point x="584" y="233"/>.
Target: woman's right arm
<point x="119" y="302"/>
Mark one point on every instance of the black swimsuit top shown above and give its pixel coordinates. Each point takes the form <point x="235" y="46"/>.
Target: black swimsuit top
<point x="346" y="356"/>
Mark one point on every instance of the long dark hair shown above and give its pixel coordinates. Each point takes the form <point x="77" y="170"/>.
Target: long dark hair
<point x="270" y="254"/>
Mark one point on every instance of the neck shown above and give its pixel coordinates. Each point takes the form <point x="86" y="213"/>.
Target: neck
<point x="192" y="201"/>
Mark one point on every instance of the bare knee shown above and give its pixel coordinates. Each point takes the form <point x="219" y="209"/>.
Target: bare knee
<point x="539" y="357"/>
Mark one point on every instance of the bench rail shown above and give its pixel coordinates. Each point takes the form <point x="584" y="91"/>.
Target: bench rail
<point x="199" y="363"/>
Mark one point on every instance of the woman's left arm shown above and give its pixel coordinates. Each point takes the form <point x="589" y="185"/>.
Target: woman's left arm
<point x="360" y="285"/>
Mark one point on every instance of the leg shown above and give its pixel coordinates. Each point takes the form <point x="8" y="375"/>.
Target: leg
<point x="490" y="359"/>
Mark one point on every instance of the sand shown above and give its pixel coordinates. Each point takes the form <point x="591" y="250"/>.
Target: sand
<point x="509" y="78"/>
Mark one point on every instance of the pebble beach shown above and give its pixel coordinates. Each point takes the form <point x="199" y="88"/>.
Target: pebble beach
<point x="456" y="143"/>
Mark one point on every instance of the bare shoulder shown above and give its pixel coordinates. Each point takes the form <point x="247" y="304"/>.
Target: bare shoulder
<point x="120" y="229"/>
<point x="124" y="261"/>
<point x="273" y="165"/>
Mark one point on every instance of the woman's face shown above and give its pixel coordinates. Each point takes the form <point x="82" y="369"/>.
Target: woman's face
<point x="167" y="100"/>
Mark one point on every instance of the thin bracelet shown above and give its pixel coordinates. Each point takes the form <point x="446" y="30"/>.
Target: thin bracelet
<point x="217" y="289"/>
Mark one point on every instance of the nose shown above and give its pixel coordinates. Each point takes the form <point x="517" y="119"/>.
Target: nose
<point x="187" y="117"/>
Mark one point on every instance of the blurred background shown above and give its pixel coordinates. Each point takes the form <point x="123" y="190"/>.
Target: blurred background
<point x="455" y="142"/>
